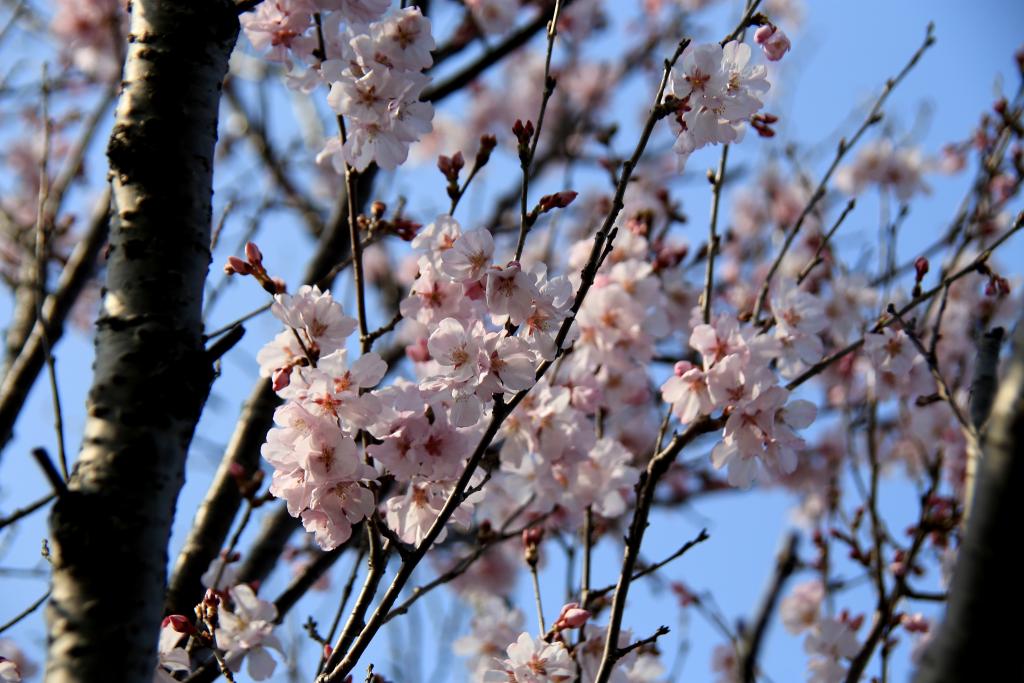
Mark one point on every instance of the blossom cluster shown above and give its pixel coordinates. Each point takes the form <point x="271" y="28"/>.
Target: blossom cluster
<point x="735" y="378"/>
<point x="318" y="470"/>
<point x="498" y="649"/>
<point x="371" y="58"/>
<point x="716" y="91"/>
<point x="231" y="618"/>
<point x="376" y="86"/>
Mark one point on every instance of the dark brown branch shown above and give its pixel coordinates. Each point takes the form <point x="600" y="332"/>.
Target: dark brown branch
<point x="750" y="644"/>
<point x="25" y="511"/>
<point x="474" y="69"/>
<point x="18" y="381"/>
<point x="25" y="612"/>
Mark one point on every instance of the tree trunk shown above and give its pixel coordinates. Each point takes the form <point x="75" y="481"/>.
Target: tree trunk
<point x="986" y="596"/>
<point x="109" y="532"/>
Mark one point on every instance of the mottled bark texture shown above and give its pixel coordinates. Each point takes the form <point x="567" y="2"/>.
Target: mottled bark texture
<point x="109" y="532"/>
<point x="978" y="636"/>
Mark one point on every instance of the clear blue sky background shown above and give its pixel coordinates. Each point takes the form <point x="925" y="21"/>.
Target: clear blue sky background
<point x="842" y="54"/>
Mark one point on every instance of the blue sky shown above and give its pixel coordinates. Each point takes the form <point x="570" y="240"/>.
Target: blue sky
<point x="842" y="54"/>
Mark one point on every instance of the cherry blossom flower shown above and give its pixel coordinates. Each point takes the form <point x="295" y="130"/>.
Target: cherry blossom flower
<point x="717" y="91"/>
<point x="411" y="515"/>
<point x="510" y="292"/>
<point x="246" y="631"/>
<point x="377" y="88"/>
<point x="14" y="665"/>
<point x="799" y="610"/>
<point x="457" y="351"/>
<point x="829" y="643"/>
<point x="687" y="391"/>
<point x="882" y="163"/>
<point x="533" y="661"/>
<point x="494" y="16"/>
<point x="469" y="256"/>
<point x="91" y="32"/>
<point x="799" y="317"/>
<point x="170" y="657"/>
<point x="276" y="24"/>
<point x="9" y="671"/>
<point x="219" y="567"/>
<point x="493" y="626"/>
<point x="725" y="664"/>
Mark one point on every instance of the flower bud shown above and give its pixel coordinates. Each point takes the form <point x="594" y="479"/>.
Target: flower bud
<point x="253" y="253"/>
<point x="179" y="623"/>
<point x="773" y="41"/>
<point x="571" y="616"/>
<point x="483" y="154"/>
<point x="920" y="267"/>
<point x="681" y="368"/>
<point x="282" y="377"/>
<point x="236" y="266"/>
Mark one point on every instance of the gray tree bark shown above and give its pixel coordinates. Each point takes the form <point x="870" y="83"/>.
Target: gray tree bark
<point x="109" y="531"/>
<point x="979" y="636"/>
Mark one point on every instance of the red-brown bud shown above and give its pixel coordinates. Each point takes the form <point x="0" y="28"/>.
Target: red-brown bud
<point x="179" y="623"/>
<point x="920" y="267"/>
<point x="236" y="266"/>
<point x="253" y="254"/>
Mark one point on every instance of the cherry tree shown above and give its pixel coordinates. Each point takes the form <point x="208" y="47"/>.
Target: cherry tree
<point x="489" y="342"/>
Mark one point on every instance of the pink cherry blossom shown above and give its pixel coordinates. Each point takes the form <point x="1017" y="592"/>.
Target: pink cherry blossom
<point x="533" y="661"/>
<point x="799" y="610"/>
<point x="246" y="632"/>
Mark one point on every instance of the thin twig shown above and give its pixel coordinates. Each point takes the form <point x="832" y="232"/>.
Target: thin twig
<point x="42" y="235"/>
<point x="873" y="117"/>
<point x="526" y="158"/>
<point x="25" y="612"/>
<point x="813" y="263"/>
<point x="346" y="593"/>
<point x="536" y="598"/>
<point x="717" y="180"/>
<point x="650" y="569"/>
<point x="25" y="511"/>
<point x="887" y="320"/>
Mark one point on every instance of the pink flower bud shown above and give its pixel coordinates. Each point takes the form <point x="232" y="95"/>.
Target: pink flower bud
<point x="773" y="41"/>
<point x="282" y="377"/>
<point x="915" y="623"/>
<point x="253" y="253"/>
<point x="533" y="536"/>
<point x="236" y="266"/>
<point x="211" y="598"/>
<point x="418" y="352"/>
<point x="682" y="367"/>
<point x="571" y="616"/>
<point x="179" y="623"/>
